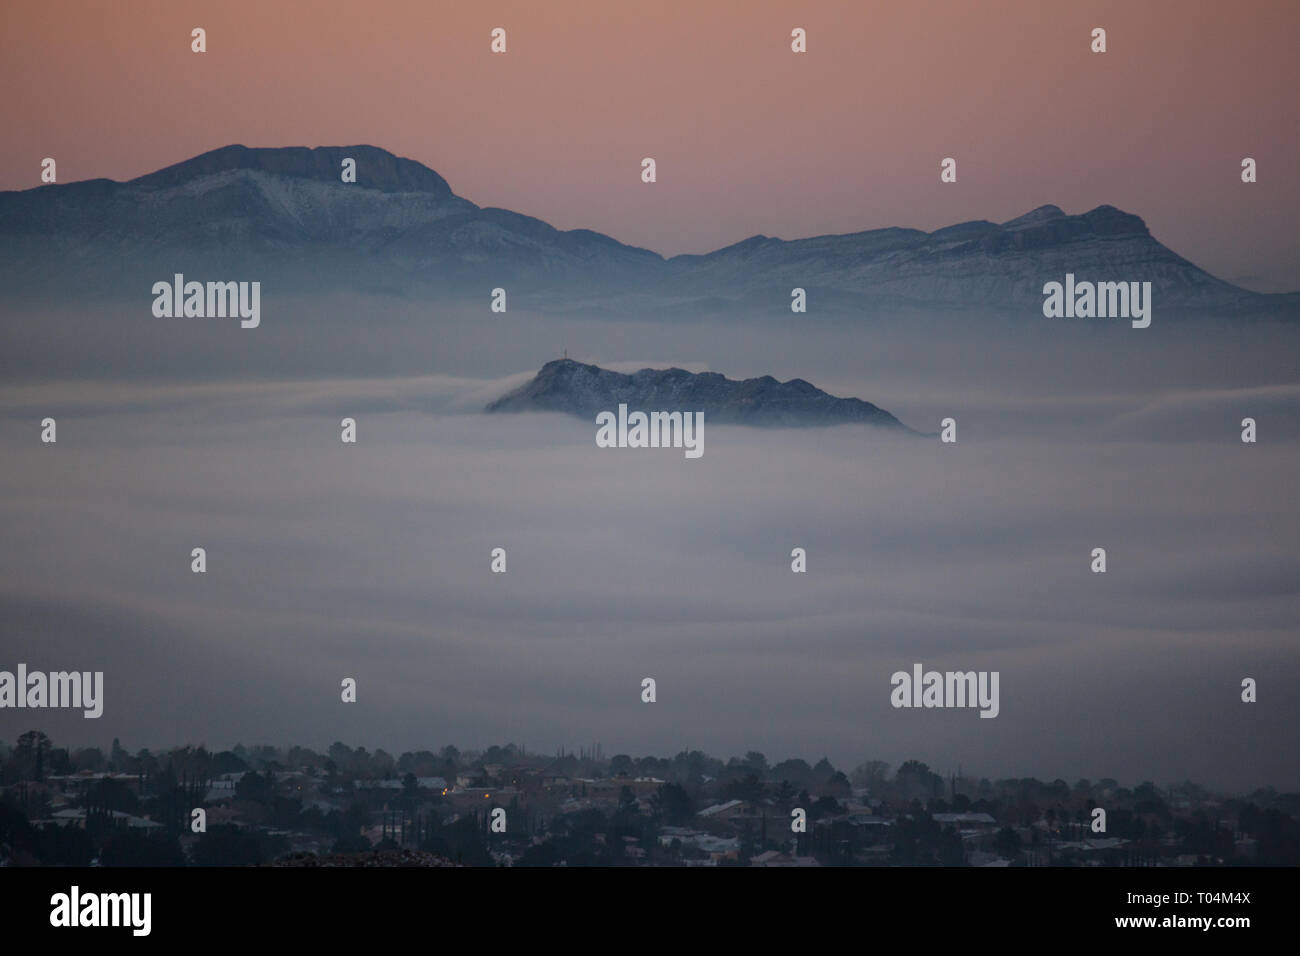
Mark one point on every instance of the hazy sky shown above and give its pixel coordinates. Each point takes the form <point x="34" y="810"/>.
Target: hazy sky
<point x="749" y="137"/>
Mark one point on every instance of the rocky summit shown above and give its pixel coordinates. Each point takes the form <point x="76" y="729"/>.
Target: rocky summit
<point x="565" y="385"/>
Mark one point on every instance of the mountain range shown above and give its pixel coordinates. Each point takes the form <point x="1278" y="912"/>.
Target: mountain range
<point x="284" y="216"/>
<point x="565" y="385"/>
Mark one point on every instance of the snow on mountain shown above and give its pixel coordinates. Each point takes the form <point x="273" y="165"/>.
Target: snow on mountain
<point x="284" y="215"/>
<point x="565" y="385"/>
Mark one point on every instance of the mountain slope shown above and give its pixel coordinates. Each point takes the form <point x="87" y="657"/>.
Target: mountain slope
<point x="565" y="385"/>
<point x="285" y="217"/>
<point x="973" y="263"/>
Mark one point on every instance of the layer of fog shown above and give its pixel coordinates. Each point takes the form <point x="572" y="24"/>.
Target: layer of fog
<point x="372" y="561"/>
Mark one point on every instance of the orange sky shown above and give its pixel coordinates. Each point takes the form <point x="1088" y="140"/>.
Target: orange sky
<point x="748" y="136"/>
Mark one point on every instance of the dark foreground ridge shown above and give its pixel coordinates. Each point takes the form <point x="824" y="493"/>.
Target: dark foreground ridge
<point x="568" y="386"/>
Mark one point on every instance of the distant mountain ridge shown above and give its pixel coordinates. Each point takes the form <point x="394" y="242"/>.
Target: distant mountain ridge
<point x="566" y="385"/>
<point x="283" y="214"/>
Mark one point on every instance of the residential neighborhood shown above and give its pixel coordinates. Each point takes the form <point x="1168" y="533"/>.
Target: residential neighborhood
<point x="504" y="806"/>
